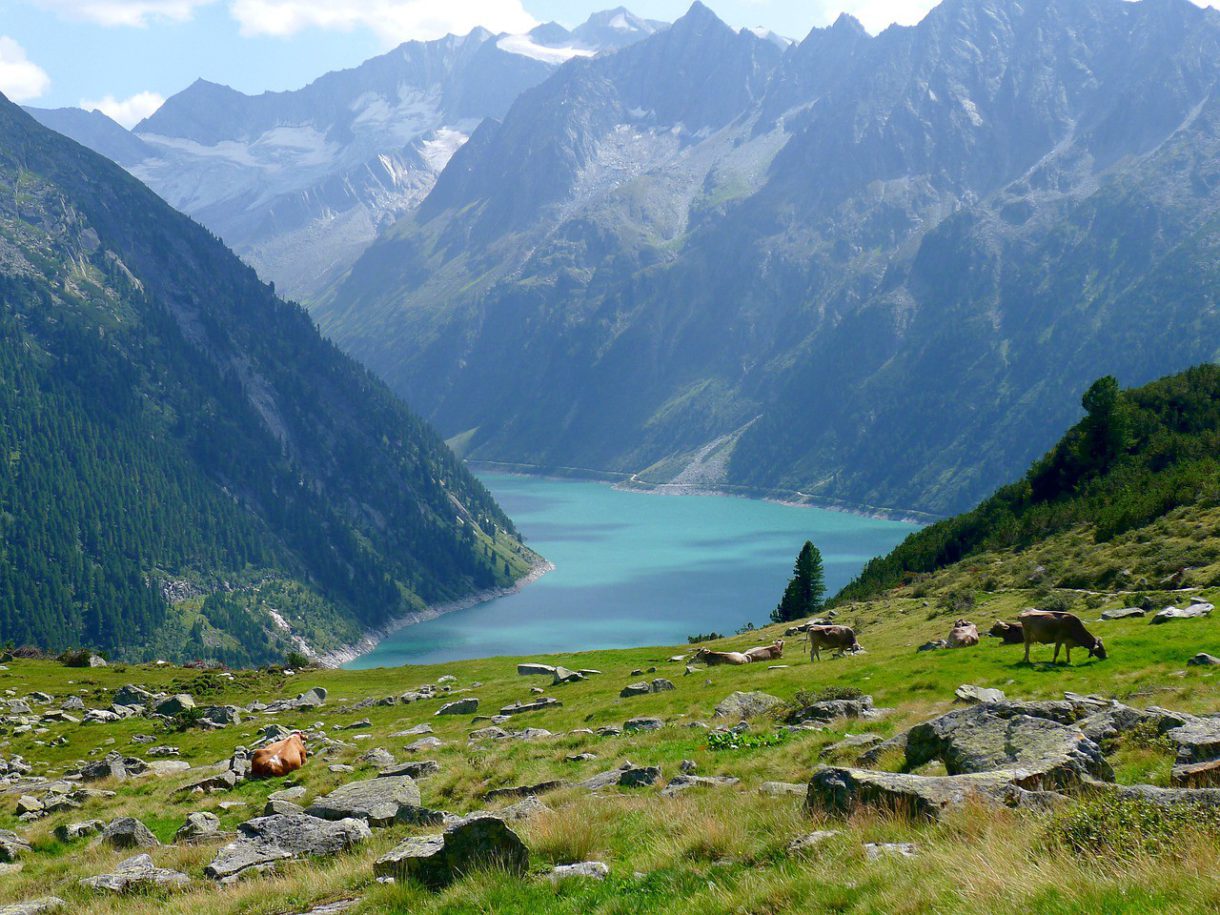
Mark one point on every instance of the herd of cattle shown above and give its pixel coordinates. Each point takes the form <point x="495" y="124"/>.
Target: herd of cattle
<point x="1033" y="627"/>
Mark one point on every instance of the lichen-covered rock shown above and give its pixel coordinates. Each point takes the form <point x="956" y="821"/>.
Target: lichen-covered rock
<point x="133" y="873"/>
<point x="830" y="709"/>
<point x="12" y="846"/>
<point x="1203" y="659"/>
<point x="263" y="841"/>
<point x="638" y="724"/>
<point x="377" y="801"/>
<point x="114" y="765"/>
<point x="523" y="790"/>
<point x="473" y="844"/>
<point x="741" y="705"/>
<point x="592" y="870"/>
<point x="40" y="906"/>
<point x="841" y="791"/>
<point x="128" y="832"/>
<point x="535" y="705"/>
<point x="683" y="783"/>
<point x="988" y="738"/>
<point x="1195" y="611"/>
<point x="68" y="832"/>
<point x="1196" y="775"/>
<point x="467" y="706"/>
<point x="419" y="768"/>
<point x="976" y="694"/>
<point x="535" y="670"/>
<point x="1197" y="740"/>
<point x="174" y="705"/>
<point x="200" y="826"/>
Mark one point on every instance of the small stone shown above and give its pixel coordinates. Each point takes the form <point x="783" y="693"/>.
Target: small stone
<point x="1123" y="613"/>
<point x="807" y="842"/>
<point x="976" y="694"/>
<point x="198" y="826"/>
<point x="424" y="743"/>
<point x="594" y="870"/>
<point x="643" y="724"/>
<point x="895" y="849"/>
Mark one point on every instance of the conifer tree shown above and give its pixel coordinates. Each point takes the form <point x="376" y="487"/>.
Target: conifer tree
<point x="805" y="592"/>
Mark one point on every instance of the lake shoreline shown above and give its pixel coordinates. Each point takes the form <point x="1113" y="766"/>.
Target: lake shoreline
<point x="629" y="483"/>
<point x="373" y="637"/>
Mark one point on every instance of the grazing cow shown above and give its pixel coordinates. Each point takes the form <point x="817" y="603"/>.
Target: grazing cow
<point x="771" y="652"/>
<point x="838" y="639"/>
<point x="1008" y="633"/>
<point x="279" y="758"/>
<point x="715" y="658"/>
<point x="1043" y="627"/>
<point x="964" y="634"/>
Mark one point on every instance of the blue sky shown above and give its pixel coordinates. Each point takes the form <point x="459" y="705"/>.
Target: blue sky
<point x="125" y="56"/>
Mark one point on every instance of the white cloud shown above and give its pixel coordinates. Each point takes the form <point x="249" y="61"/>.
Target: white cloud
<point x="128" y="111"/>
<point x="393" y="20"/>
<point x="20" y="78"/>
<point x="124" y="12"/>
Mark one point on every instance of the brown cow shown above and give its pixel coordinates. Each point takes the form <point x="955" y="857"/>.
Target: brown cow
<point x="279" y="758"/>
<point x="1042" y="627"/>
<point x="964" y="634"/>
<point x="714" y="658"/>
<point x="1008" y="633"/>
<point x="772" y="652"/>
<point x="839" y="639"/>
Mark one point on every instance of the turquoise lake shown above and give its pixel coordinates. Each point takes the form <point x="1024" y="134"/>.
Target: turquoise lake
<point x="637" y="569"/>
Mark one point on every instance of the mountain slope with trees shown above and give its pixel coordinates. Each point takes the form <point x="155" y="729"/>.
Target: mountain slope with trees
<point x="188" y="469"/>
<point x="1136" y="457"/>
<point x="876" y="270"/>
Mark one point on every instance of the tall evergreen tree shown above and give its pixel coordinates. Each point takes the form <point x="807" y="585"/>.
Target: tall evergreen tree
<point x="805" y="592"/>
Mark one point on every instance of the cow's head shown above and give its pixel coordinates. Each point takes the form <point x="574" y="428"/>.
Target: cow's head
<point x="299" y="737"/>
<point x="1098" y="650"/>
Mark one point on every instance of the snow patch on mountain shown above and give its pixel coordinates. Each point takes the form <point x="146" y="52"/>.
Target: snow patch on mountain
<point x="527" y="47"/>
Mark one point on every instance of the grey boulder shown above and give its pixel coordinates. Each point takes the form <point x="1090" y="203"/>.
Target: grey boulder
<point x="466" y="706"/>
<point x="472" y="844"/>
<point x="135" y="873"/>
<point x="128" y="832"/>
<point x="377" y="801"/>
<point x="989" y="737"/>
<point x="199" y="827"/>
<point x="741" y="705"/>
<point x="842" y="791"/>
<point x="264" y="841"/>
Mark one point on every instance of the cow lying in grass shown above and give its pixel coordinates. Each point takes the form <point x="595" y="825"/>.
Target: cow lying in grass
<point x="1008" y="633"/>
<point x="839" y="639"/>
<point x="772" y="652"/>
<point x="1044" y="627"/>
<point x="279" y="758"/>
<point x="716" y="658"/>
<point x="964" y="634"/>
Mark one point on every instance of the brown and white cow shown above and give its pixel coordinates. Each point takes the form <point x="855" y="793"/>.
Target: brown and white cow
<point x="1044" y="627"/>
<point x="964" y="634"/>
<point x="1008" y="633"/>
<point x="772" y="652"/>
<point x="838" y="639"/>
<point x="279" y="758"/>
<point x="715" y="658"/>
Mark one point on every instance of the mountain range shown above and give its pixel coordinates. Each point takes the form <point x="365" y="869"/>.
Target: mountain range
<point x="299" y="183"/>
<point x="873" y="270"/>
<point x="190" y="470"/>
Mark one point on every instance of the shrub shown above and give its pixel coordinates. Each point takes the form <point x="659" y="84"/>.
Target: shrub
<point x="296" y="660"/>
<point x="1114" y="826"/>
<point x="76" y="657"/>
<point x="703" y="637"/>
<point x="730" y="740"/>
<point x="827" y="694"/>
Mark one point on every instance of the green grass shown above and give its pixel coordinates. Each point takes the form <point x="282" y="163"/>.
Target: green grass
<point x="710" y="850"/>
